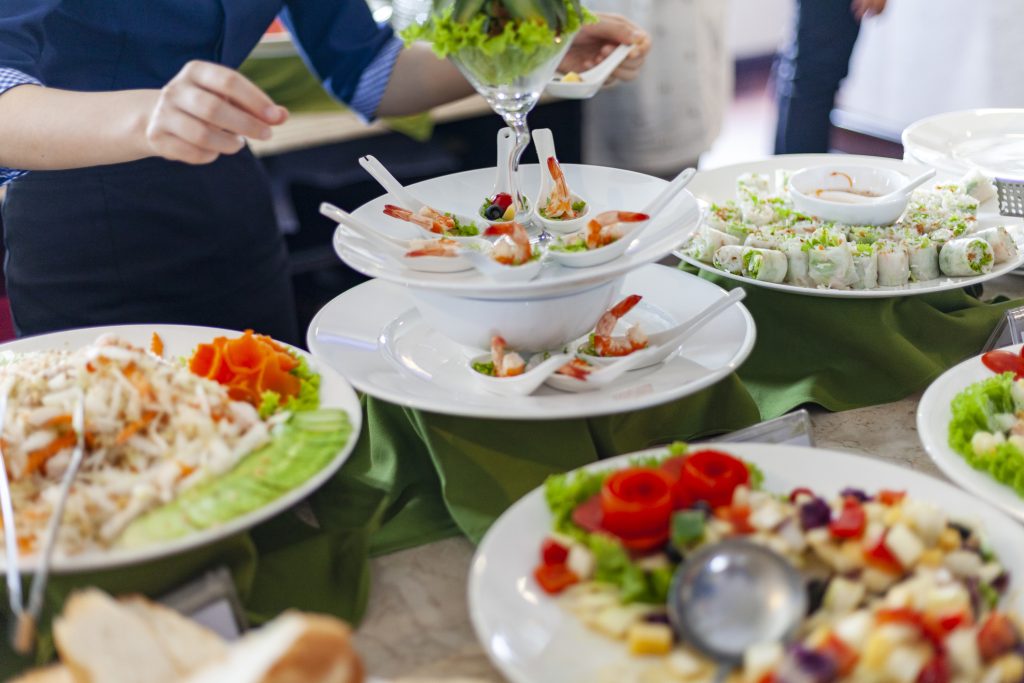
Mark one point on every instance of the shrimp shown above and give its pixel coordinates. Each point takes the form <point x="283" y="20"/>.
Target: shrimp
<point x="441" y="247"/>
<point x="577" y="368"/>
<point x="607" y="345"/>
<point x="513" y="248"/>
<point x="560" y="200"/>
<point x="608" y="226"/>
<point x="505" y="364"/>
<point x="427" y="218"/>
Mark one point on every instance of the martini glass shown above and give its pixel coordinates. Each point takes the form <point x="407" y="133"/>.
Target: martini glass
<point x="512" y="82"/>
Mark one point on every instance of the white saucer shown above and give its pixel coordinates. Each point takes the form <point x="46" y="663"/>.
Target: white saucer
<point x="418" y="367"/>
<point x="606" y="188"/>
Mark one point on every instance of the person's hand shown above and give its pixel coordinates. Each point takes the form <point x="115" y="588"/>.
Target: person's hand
<point x="594" y="42"/>
<point x="867" y="8"/>
<point x="208" y="110"/>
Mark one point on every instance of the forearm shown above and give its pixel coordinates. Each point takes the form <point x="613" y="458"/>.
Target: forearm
<point x="48" y="129"/>
<point x="420" y="81"/>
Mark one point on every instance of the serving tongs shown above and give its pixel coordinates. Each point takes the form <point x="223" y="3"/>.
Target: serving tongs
<point x="24" y="618"/>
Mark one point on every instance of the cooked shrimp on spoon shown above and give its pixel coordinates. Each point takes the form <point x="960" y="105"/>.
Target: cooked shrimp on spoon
<point x="505" y="364"/>
<point x="560" y="201"/>
<point x="513" y="247"/>
<point x="610" y="226"/>
<point x="634" y="340"/>
<point x="427" y="218"/>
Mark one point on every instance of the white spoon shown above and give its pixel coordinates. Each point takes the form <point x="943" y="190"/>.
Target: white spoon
<point x="591" y="80"/>
<point x="520" y="385"/>
<point x="906" y="189"/>
<point x="499" y="272"/>
<point x="395" y="249"/>
<point x="405" y="198"/>
<point x="609" y="252"/>
<point x="544" y="142"/>
<point x="603" y="376"/>
<point x="666" y="342"/>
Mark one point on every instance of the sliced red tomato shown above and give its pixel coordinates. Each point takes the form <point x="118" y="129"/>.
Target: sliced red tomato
<point x="682" y="498"/>
<point x="996" y="637"/>
<point x="637" y="502"/>
<point x="935" y="671"/>
<point x="587" y="515"/>
<point x="851" y="522"/>
<point x="842" y="654"/>
<point x="878" y="555"/>
<point x="951" y="622"/>
<point x="554" y="578"/>
<point x="887" y="497"/>
<point x="1004" y="361"/>
<point x="713" y="476"/>
<point x="553" y="552"/>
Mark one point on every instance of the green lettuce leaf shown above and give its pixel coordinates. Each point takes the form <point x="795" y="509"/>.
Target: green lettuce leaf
<point x="973" y="410"/>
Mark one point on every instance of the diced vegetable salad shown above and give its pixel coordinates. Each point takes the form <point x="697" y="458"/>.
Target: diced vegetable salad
<point x="898" y="593"/>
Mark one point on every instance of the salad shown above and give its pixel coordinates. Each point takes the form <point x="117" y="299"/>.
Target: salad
<point x="499" y="207"/>
<point x="499" y="41"/>
<point x="760" y="236"/>
<point x="898" y="592"/>
<point x="171" y="445"/>
<point x="987" y="427"/>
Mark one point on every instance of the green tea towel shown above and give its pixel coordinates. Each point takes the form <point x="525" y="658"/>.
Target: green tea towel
<point x="851" y="353"/>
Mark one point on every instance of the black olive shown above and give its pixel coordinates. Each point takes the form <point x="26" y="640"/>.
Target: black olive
<point x="964" y="532"/>
<point x="674" y="556"/>
<point x="493" y="212"/>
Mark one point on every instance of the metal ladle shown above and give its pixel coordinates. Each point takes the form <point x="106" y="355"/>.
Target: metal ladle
<point x="732" y="595"/>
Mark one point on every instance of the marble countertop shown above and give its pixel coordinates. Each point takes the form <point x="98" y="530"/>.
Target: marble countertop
<point x="417" y="624"/>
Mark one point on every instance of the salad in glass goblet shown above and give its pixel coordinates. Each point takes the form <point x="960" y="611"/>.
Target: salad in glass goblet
<point x="508" y="50"/>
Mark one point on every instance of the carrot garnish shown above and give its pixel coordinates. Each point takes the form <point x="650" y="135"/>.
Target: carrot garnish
<point x="37" y="458"/>
<point x="132" y="428"/>
<point x="248" y="365"/>
<point x="156" y="345"/>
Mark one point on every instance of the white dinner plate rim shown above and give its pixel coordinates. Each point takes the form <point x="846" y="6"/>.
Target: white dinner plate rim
<point x="571" y="406"/>
<point x="797" y="161"/>
<point x="861" y="471"/>
<point x="938" y="158"/>
<point x="657" y="242"/>
<point x="331" y="382"/>
<point x="934" y="414"/>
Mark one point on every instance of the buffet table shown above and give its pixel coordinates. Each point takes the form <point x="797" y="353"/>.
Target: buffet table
<point x="417" y="621"/>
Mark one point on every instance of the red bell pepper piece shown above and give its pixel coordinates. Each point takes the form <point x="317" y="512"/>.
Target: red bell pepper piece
<point x="842" y="654"/>
<point x="552" y="552"/>
<point x="887" y="497"/>
<point x="554" y="578"/>
<point x="879" y="555"/>
<point x="851" y="522"/>
<point x="738" y="516"/>
<point x="935" y="671"/>
<point x="997" y="636"/>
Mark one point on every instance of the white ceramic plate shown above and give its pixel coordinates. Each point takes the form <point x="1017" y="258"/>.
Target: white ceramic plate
<point x="991" y="140"/>
<point x="934" y="414"/>
<point x="604" y="188"/>
<point x="532" y="639"/>
<point x="719" y="185"/>
<point x="179" y="341"/>
<point x="420" y="368"/>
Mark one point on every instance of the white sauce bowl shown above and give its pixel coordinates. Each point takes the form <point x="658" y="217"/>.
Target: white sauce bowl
<point x="866" y="179"/>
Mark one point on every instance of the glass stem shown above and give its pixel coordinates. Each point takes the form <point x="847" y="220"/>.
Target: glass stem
<point x="517" y="122"/>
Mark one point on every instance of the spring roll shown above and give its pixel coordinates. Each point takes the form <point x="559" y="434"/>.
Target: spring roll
<point x="758" y="184"/>
<point x="893" y="263"/>
<point x="730" y="259"/>
<point x="966" y="256"/>
<point x="865" y="266"/>
<point x="978" y="185"/>
<point x="797" y="272"/>
<point x="758" y="212"/>
<point x="923" y="258"/>
<point x="831" y="267"/>
<point x="766" y="265"/>
<point x="708" y="242"/>
<point x="1004" y="248"/>
<point x="720" y="215"/>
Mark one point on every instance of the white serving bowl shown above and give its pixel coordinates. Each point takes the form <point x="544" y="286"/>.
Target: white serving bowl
<point x="867" y="179"/>
<point x="528" y="325"/>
